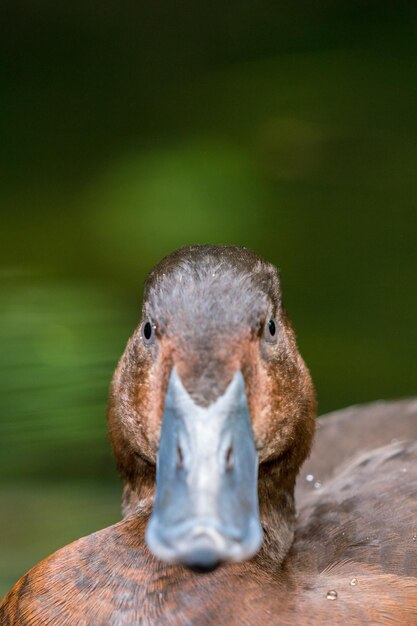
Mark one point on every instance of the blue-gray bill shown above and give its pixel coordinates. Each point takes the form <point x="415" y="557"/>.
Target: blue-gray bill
<point x="206" y="504"/>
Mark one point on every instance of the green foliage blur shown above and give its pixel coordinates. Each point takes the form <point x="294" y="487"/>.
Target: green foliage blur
<point x="130" y="129"/>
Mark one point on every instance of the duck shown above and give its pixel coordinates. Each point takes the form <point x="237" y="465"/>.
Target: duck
<point x="211" y="415"/>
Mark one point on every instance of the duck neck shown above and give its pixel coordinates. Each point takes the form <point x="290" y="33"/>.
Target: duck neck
<point x="277" y="511"/>
<point x="139" y="490"/>
<point x="276" y="505"/>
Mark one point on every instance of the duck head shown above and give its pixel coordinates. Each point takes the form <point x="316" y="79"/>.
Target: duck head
<point x="211" y="408"/>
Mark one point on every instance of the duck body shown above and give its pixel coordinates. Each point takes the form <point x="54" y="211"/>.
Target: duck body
<point x="344" y="535"/>
<point x="349" y="557"/>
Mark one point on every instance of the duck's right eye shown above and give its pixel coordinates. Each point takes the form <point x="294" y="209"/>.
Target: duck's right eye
<point x="270" y="331"/>
<point x="147" y="331"/>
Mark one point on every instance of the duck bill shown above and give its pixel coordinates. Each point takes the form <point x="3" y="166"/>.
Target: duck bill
<point x="206" y="504"/>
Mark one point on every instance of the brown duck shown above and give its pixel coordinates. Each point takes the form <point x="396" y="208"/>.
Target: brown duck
<point x="211" y="415"/>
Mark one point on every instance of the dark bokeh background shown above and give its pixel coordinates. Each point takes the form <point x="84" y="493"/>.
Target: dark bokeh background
<point x="129" y="129"/>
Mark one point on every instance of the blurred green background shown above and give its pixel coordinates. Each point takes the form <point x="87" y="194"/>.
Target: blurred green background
<point x="129" y="129"/>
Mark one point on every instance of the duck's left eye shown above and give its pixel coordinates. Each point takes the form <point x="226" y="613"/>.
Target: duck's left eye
<point x="271" y="331"/>
<point x="147" y="331"/>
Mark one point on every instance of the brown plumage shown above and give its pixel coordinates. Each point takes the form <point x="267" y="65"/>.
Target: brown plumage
<point x="353" y="558"/>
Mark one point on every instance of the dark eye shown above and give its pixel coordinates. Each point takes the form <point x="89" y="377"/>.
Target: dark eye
<point x="147" y="331"/>
<point x="271" y="331"/>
